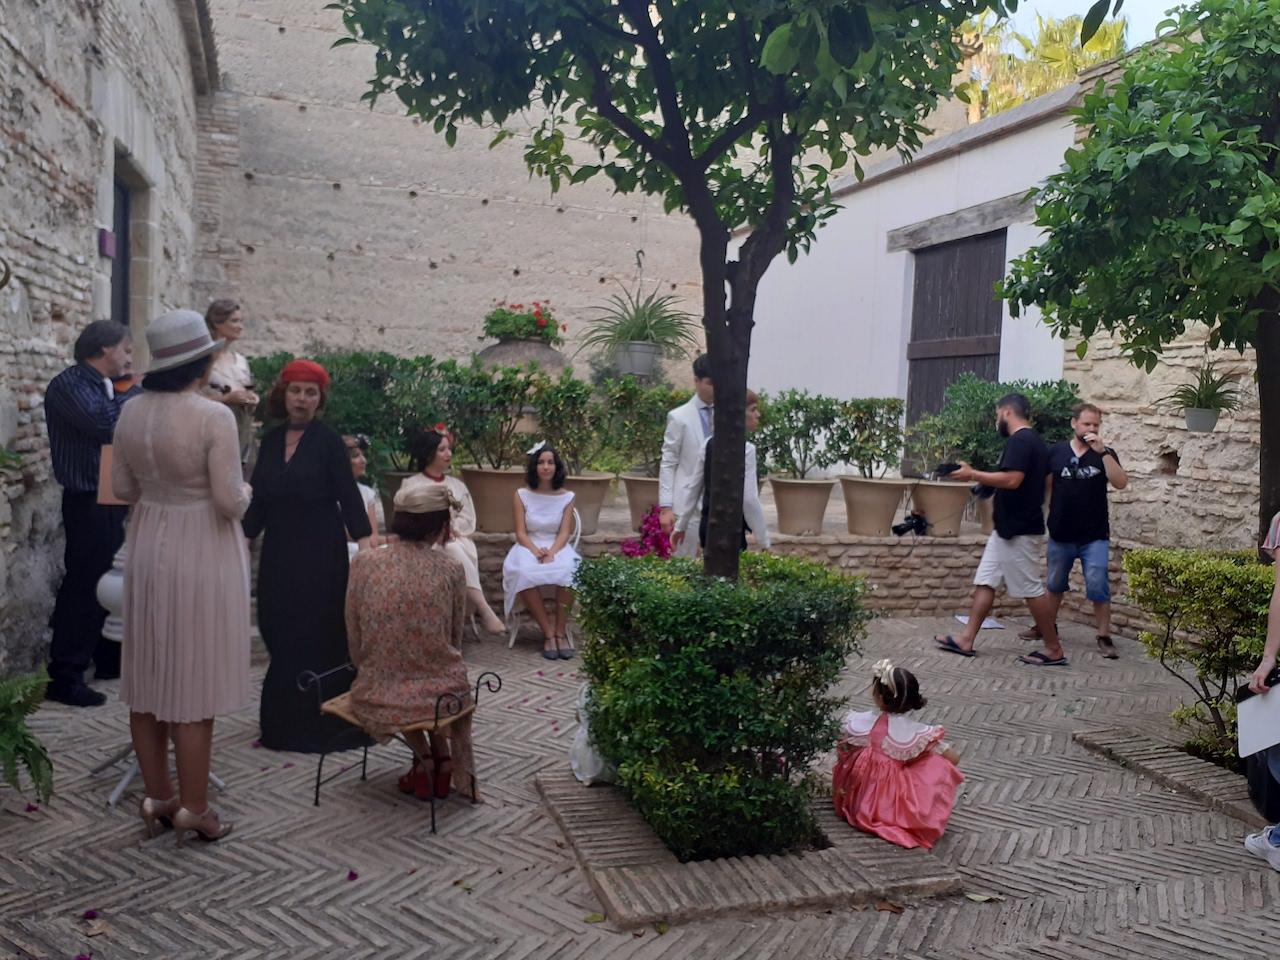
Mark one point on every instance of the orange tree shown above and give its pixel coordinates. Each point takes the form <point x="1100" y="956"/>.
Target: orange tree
<point x="736" y="111"/>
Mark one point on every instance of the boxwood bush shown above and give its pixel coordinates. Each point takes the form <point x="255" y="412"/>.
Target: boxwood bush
<point x="1209" y="611"/>
<point x="711" y="697"/>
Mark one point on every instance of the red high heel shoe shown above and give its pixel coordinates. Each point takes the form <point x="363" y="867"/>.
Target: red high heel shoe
<point x="417" y="781"/>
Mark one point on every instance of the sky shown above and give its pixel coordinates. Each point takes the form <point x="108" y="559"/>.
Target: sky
<point x="1143" y="15"/>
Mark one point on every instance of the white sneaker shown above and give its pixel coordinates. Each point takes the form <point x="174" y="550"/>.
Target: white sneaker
<point x="1262" y="848"/>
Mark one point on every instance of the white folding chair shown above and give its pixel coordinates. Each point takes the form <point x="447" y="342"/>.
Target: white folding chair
<point x="519" y="612"/>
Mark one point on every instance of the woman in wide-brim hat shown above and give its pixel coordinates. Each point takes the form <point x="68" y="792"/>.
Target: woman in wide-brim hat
<point x="305" y="503"/>
<point x="185" y="658"/>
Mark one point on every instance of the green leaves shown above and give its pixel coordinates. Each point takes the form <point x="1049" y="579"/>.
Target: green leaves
<point x="711" y="697"/>
<point x="1166" y="214"/>
<point x="780" y="53"/>
<point x="21" y="696"/>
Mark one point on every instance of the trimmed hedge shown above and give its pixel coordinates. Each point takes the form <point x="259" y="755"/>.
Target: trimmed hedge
<point x="711" y="696"/>
<point x="1210" y="611"/>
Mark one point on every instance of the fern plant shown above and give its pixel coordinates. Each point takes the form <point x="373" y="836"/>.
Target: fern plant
<point x="20" y="697"/>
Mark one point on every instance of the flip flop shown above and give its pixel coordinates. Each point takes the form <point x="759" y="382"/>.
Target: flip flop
<point x="1038" y="658"/>
<point x="1107" y="648"/>
<point x="949" y="644"/>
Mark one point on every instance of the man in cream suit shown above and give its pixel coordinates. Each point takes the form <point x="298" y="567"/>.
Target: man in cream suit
<point x="689" y="427"/>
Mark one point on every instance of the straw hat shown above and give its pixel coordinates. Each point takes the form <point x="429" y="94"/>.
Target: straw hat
<point x="178" y="337"/>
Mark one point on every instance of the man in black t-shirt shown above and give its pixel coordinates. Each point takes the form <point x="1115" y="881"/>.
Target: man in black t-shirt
<point x="1080" y="470"/>
<point x="1013" y="551"/>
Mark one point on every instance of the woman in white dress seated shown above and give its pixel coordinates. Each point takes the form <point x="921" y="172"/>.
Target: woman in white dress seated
<point x="358" y="449"/>
<point x="542" y="556"/>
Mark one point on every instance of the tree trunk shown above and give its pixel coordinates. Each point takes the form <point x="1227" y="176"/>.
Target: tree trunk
<point x="1267" y="348"/>
<point x="728" y="349"/>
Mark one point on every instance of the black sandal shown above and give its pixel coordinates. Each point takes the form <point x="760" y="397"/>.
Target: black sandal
<point x="1107" y="648"/>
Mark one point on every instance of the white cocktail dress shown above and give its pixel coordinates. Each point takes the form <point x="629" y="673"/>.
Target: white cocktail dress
<point x="543" y="514"/>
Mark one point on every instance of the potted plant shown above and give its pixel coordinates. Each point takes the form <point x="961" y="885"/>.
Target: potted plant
<point x="636" y="424"/>
<point x="931" y="441"/>
<point x="483" y="407"/>
<point x="795" y="438"/>
<point x="572" y="419"/>
<point x="637" y="330"/>
<point x="526" y="334"/>
<point x="1202" y="402"/>
<point x="868" y="436"/>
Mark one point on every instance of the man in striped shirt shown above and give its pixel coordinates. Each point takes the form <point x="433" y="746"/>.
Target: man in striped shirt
<point x="81" y="407"/>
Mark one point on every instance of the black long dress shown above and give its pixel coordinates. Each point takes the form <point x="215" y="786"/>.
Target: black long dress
<point x="305" y="508"/>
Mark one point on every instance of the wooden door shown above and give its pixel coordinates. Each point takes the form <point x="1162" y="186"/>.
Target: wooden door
<point x="955" y="318"/>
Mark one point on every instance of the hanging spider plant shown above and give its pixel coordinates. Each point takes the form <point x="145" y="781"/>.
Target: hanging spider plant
<point x="638" y="318"/>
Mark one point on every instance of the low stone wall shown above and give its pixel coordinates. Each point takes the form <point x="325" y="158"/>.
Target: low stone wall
<point x="925" y="576"/>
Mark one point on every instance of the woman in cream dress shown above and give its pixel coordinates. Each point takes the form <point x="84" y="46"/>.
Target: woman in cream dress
<point x="433" y="455"/>
<point x="230" y="382"/>
<point x="186" y="580"/>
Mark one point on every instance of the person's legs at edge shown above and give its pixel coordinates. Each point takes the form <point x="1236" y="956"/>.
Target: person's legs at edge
<point x="488" y="619"/>
<point x="192" y="747"/>
<point x="151" y="746"/>
<point x="533" y="603"/>
<point x="1095" y="559"/>
<point x="983" y="600"/>
<point x="564" y="604"/>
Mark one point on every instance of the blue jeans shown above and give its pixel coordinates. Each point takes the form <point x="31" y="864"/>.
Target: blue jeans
<point x="1093" y="559"/>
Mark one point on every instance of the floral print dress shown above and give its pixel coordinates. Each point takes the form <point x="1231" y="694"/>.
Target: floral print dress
<point x="406" y="607"/>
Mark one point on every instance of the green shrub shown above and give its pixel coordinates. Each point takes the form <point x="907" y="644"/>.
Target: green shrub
<point x="868" y="435"/>
<point x="795" y="435"/>
<point x="572" y="419"/>
<point x="969" y="414"/>
<point x="1210" y="616"/>
<point x="711" y="696"/>
<point x="637" y="420"/>
<point x="20" y="697"/>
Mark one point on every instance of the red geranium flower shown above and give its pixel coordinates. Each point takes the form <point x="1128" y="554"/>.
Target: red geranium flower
<point x="542" y="321"/>
<point x="441" y="427"/>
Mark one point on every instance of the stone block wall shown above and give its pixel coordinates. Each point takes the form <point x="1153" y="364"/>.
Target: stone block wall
<point x="88" y="87"/>
<point x="339" y="225"/>
<point x="1186" y="489"/>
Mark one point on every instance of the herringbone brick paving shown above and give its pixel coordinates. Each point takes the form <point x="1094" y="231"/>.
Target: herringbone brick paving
<point x="1086" y="859"/>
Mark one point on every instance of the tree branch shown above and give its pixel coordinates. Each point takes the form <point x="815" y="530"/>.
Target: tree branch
<point x="674" y="131"/>
<point x="603" y="100"/>
<point x="730" y="135"/>
<point x="768" y="239"/>
<point x="616" y="32"/>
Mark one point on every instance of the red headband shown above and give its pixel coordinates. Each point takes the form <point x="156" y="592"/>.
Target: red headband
<point x="304" y="371"/>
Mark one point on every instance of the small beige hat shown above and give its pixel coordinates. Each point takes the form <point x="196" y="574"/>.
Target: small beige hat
<point x="426" y="497"/>
<point x="178" y="337"/>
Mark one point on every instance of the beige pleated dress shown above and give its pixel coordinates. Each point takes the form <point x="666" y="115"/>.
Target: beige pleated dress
<point x="186" y="579"/>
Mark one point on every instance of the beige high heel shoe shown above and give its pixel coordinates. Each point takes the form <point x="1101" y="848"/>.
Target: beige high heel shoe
<point x="184" y="822"/>
<point x="157" y="815"/>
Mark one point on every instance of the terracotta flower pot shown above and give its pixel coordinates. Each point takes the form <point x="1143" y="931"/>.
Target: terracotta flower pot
<point x="802" y="504"/>
<point x="590" y="490"/>
<point x="492" y="492"/>
<point x="871" y="503"/>
<point x="987" y="514"/>
<point x="642" y="496"/>
<point x="942" y="502"/>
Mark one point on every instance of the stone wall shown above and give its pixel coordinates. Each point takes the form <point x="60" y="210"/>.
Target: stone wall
<point x="87" y="89"/>
<point x="1186" y="489"/>
<point x="336" y="224"/>
<point x="924" y="577"/>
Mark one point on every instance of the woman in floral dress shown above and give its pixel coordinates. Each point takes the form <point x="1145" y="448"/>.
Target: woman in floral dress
<point x="406" y="606"/>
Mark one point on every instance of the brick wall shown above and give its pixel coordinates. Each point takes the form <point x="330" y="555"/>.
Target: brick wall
<point x="79" y="82"/>
<point x="928" y="577"/>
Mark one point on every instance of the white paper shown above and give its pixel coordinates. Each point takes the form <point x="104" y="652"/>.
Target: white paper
<point x="991" y="623"/>
<point x="1259" y="723"/>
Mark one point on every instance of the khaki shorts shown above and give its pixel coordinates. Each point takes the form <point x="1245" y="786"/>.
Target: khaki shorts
<point x="1013" y="564"/>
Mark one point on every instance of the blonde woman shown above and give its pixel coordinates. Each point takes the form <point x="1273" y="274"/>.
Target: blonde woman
<point x="230" y="382"/>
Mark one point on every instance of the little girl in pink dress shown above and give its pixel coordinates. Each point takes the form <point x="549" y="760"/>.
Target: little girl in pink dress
<point x="895" y="777"/>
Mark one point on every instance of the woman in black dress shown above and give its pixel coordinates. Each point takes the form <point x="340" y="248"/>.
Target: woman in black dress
<point x="305" y="501"/>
